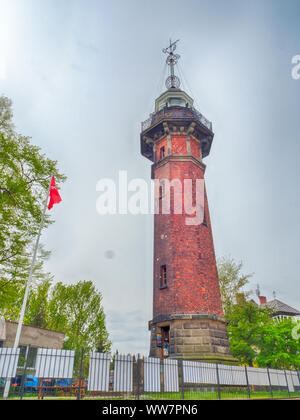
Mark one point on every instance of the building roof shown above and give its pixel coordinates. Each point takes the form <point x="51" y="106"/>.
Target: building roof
<point x="33" y="326"/>
<point x="281" y="308"/>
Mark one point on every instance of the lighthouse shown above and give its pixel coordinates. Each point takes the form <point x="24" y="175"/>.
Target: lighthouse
<point x="188" y="320"/>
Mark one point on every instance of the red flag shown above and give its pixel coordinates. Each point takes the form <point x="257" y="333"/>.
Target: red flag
<point x="54" y="194"/>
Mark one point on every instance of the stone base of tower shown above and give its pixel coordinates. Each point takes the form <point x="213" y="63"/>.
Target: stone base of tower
<point x="195" y="337"/>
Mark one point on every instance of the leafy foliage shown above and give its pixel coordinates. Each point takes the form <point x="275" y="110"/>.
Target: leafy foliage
<point x="246" y="327"/>
<point x="255" y="337"/>
<point x="24" y="180"/>
<point x="76" y="310"/>
<point x="231" y="281"/>
<point x="278" y="348"/>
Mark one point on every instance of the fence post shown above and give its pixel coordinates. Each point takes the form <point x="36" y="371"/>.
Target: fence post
<point x="287" y="383"/>
<point x="23" y="380"/>
<point x="180" y="365"/>
<point x="80" y="375"/>
<point x="138" y="377"/>
<point x="247" y="380"/>
<point x="218" y="380"/>
<point x="271" y="390"/>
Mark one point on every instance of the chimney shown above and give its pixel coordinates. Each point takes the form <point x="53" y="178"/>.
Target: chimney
<point x="262" y="299"/>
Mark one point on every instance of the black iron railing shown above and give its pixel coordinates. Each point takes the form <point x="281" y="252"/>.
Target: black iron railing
<point x="106" y="376"/>
<point x="176" y="113"/>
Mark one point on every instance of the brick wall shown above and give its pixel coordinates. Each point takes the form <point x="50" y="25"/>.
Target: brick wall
<point x="187" y="251"/>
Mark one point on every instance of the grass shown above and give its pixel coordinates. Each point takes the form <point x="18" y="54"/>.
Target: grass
<point x="172" y="396"/>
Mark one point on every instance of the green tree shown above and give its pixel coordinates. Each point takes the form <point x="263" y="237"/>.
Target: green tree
<point x="231" y="281"/>
<point x="37" y="311"/>
<point x="24" y="179"/>
<point x="254" y="336"/>
<point x="75" y="309"/>
<point x="6" y="115"/>
<point x="278" y="348"/>
<point x="247" y="325"/>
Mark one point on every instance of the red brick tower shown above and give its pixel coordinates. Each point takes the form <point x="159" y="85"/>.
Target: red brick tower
<point x="187" y="319"/>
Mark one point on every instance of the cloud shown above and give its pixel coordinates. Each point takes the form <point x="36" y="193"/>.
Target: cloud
<point x="128" y="331"/>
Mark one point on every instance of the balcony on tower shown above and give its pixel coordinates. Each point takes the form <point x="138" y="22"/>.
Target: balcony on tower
<point x="175" y="115"/>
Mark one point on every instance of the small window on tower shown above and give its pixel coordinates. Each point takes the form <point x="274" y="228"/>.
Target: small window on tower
<point x="162" y="189"/>
<point x="204" y="219"/>
<point x="176" y="101"/>
<point x="160" y="192"/>
<point x="162" y="153"/>
<point x="163" y="276"/>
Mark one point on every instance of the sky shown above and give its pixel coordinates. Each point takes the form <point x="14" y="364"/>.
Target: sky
<point x="84" y="74"/>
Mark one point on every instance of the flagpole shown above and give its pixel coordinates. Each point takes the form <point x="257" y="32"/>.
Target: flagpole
<point x="22" y="314"/>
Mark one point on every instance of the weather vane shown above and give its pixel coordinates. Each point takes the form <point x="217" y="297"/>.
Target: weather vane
<point x="172" y="59"/>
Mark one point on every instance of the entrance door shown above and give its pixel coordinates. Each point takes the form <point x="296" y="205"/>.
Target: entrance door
<point x="165" y="333"/>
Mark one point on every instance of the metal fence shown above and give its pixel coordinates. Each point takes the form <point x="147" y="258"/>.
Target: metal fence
<point x="103" y="376"/>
